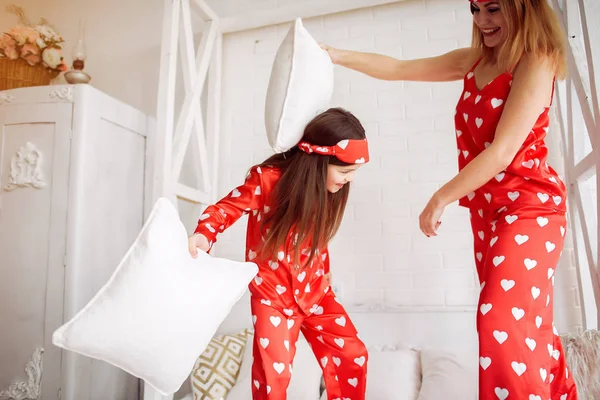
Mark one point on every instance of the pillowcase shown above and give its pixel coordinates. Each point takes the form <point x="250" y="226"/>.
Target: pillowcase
<point x="306" y="374"/>
<point x="448" y="376"/>
<point x="217" y="369"/>
<point x="300" y="87"/>
<point x="134" y="321"/>
<point x="392" y="374"/>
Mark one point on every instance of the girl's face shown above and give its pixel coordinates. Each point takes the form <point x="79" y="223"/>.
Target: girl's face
<point x="491" y="22"/>
<point x="339" y="175"/>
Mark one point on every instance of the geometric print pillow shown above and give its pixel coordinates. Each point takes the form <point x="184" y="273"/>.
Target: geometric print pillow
<point x="217" y="369"/>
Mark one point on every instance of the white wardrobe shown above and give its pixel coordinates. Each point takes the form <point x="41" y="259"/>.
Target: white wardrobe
<point x="72" y="168"/>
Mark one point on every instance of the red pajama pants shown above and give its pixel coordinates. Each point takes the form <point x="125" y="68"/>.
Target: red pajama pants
<point x="332" y="336"/>
<point x="521" y="355"/>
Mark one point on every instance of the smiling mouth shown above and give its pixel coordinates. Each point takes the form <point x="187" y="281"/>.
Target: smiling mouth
<point x="489" y="32"/>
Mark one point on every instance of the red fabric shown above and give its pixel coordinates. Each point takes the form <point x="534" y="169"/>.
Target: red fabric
<point x="518" y="221"/>
<point x="305" y="286"/>
<point x="521" y="356"/>
<point x="528" y="180"/>
<point x="348" y="151"/>
<point x="282" y="293"/>
<point x="332" y="337"/>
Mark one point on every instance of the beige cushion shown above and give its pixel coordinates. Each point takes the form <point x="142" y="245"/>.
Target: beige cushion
<point x="448" y="376"/>
<point x="217" y="369"/>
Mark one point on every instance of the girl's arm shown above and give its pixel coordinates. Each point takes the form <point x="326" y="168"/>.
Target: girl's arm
<point x="220" y="216"/>
<point x="530" y="92"/>
<point x="447" y="67"/>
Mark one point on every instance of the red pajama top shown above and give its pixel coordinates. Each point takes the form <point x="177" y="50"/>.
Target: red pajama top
<point x="278" y="283"/>
<point x="528" y="180"/>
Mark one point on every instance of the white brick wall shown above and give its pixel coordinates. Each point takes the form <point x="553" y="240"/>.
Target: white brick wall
<point x="379" y="254"/>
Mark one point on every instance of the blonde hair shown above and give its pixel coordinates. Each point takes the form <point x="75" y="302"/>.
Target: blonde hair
<point x="533" y="28"/>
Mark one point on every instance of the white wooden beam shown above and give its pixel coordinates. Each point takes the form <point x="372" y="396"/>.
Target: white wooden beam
<point x="302" y="9"/>
<point x="566" y="143"/>
<point x="213" y="120"/>
<point x="204" y="10"/>
<point x="593" y="270"/>
<point x="166" y="100"/>
<point x="186" y="45"/>
<point x="191" y="194"/>
<point x="582" y="50"/>
<point x="191" y="104"/>
<point x="591" y="31"/>
<point x="189" y="62"/>
<point x="580" y="81"/>
<point x="584" y="169"/>
<point x="596" y="283"/>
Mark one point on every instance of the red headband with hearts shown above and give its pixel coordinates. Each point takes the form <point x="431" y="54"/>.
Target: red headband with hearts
<point x="351" y="151"/>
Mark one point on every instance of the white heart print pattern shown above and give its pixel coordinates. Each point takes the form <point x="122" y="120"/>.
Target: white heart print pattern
<point x="485" y="362"/>
<point x="501" y="393"/>
<point x="507" y="284"/>
<point x="524" y="247"/>
<point x="518" y="367"/>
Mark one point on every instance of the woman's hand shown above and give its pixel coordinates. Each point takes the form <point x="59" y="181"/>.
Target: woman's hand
<point x="198" y="241"/>
<point x="429" y="220"/>
<point x="334" y="54"/>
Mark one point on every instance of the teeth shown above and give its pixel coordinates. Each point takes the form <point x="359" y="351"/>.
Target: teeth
<point x="488" y="30"/>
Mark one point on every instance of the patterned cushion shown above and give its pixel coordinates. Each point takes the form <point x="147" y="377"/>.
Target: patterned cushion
<point x="217" y="369"/>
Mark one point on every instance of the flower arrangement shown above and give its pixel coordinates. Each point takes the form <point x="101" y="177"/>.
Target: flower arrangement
<point x="38" y="44"/>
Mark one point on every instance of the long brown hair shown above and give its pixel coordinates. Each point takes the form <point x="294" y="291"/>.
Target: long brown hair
<point x="302" y="207"/>
<point x="533" y="28"/>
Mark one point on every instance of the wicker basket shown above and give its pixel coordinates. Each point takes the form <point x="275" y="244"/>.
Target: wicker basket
<point x="18" y="73"/>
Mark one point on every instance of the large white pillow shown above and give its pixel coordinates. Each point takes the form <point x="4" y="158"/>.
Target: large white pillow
<point x="300" y="87"/>
<point x="448" y="375"/>
<point x="306" y="375"/>
<point x="392" y="374"/>
<point x="134" y="322"/>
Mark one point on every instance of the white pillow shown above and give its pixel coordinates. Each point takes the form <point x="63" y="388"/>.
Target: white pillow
<point x="300" y="87"/>
<point x="306" y="375"/>
<point x="448" y="376"/>
<point x="134" y="322"/>
<point x="392" y="374"/>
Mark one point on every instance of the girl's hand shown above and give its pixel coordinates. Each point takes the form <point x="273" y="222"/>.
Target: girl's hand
<point x="328" y="277"/>
<point x="198" y="241"/>
<point x="334" y="53"/>
<point x="429" y="220"/>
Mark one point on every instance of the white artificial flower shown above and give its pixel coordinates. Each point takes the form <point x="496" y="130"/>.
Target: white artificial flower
<point x="41" y="44"/>
<point x="51" y="57"/>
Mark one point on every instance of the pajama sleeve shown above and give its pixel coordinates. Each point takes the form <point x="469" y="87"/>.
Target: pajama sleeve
<point x="241" y="200"/>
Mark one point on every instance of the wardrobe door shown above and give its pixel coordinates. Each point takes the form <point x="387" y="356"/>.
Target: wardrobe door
<point x="34" y="171"/>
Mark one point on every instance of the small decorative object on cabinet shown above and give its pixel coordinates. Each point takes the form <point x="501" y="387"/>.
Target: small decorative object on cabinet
<point x="72" y="189"/>
<point x="30" y="54"/>
<point x="77" y="75"/>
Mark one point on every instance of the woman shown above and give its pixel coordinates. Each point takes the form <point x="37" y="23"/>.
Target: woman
<point x="517" y="201"/>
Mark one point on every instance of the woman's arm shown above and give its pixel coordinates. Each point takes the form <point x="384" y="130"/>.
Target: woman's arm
<point x="446" y="67"/>
<point x="531" y="91"/>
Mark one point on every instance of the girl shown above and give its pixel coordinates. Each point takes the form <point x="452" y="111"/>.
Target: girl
<point x="296" y="202"/>
<point x="517" y="201"/>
